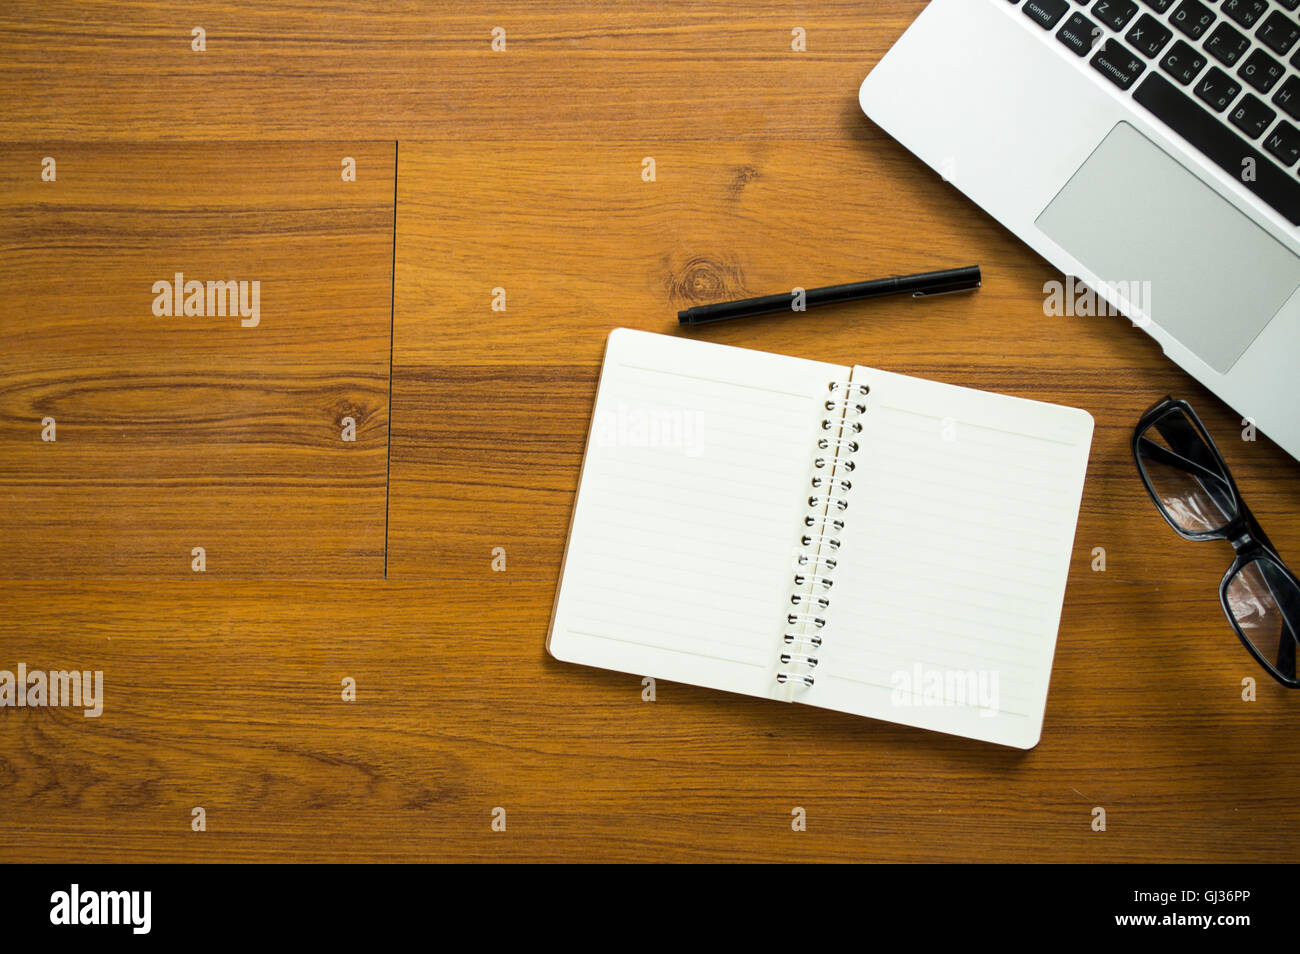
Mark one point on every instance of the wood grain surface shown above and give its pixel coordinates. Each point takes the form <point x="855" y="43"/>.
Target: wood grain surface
<point x="232" y="703"/>
<point x="408" y="70"/>
<point x="194" y="431"/>
<point x="522" y="170"/>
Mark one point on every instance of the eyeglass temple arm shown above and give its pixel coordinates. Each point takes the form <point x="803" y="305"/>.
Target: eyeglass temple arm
<point x="1164" y="455"/>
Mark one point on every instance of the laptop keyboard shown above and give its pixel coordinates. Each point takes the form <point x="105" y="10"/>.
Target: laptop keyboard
<point x="1223" y="74"/>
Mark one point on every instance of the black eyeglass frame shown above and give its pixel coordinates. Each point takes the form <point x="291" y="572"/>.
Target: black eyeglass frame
<point x="1249" y="542"/>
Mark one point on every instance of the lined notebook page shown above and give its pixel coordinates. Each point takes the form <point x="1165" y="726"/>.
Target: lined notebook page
<point x="689" y="507"/>
<point x="948" y="591"/>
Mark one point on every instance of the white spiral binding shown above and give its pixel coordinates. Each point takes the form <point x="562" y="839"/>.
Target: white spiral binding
<point x="816" y="558"/>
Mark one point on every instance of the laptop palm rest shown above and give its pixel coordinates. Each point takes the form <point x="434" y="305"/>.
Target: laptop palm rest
<point x="1139" y="220"/>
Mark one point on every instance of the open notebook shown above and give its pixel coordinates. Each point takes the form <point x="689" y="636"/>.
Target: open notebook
<point x="837" y="536"/>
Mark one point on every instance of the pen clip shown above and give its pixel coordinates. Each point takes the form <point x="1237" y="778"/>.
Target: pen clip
<point x="961" y="287"/>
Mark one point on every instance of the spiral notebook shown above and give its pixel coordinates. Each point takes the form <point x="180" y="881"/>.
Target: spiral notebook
<point x="817" y="533"/>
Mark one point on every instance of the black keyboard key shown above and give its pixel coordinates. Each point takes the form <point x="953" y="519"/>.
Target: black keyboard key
<point x="1159" y="6"/>
<point x="1149" y="35"/>
<point x="1117" y="64"/>
<point x="1217" y="90"/>
<point x="1251" y="116"/>
<point x="1279" y="33"/>
<point x="1220" y="145"/>
<point x="1079" y="34"/>
<point x="1283" y="143"/>
<point x="1290" y="4"/>
<point x="1227" y="45"/>
<point x="1183" y="62"/>
<point x="1288" y="97"/>
<point x="1046" y="13"/>
<point x="1245" y="12"/>
<point x="1261" y="71"/>
<point x="1193" y="18"/>
<point x="1114" y="13"/>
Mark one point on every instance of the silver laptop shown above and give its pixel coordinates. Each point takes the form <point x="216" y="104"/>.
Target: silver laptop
<point x="1149" y="148"/>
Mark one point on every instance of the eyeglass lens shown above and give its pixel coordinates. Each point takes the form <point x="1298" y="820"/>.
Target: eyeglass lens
<point x="1264" y="603"/>
<point x="1185" y="474"/>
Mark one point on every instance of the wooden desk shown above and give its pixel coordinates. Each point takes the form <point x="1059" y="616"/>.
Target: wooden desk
<point x="522" y="170"/>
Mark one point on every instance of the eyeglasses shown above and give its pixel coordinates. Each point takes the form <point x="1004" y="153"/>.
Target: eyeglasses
<point x="1187" y="478"/>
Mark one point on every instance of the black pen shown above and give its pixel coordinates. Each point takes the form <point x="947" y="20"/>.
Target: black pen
<point x="918" y="286"/>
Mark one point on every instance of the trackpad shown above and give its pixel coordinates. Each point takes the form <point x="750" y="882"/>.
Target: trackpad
<point x="1139" y="220"/>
